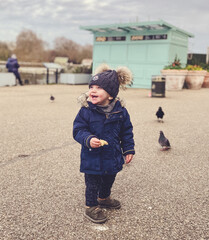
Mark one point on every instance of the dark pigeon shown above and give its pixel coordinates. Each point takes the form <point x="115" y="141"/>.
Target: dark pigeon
<point x="52" y="98"/>
<point x="160" y="114"/>
<point x="163" y="141"/>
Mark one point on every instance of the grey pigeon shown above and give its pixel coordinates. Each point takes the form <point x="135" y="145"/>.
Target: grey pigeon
<point x="52" y="98"/>
<point x="163" y="141"/>
<point x="160" y="114"/>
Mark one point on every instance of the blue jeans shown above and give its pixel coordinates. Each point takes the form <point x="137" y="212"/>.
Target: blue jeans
<point x="97" y="186"/>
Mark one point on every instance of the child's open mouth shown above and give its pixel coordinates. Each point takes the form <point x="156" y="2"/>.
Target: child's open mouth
<point x="94" y="97"/>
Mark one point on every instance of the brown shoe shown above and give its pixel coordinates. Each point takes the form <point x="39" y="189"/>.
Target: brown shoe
<point x="95" y="214"/>
<point x="109" y="203"/>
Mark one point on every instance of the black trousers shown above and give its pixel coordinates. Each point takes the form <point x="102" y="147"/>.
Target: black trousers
<point x="97" y="186"/>
<point x="17" y="75"/>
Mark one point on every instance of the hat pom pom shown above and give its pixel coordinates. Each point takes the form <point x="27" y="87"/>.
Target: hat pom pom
<point x="125" y="77"/>
<point x="102" y="68"/>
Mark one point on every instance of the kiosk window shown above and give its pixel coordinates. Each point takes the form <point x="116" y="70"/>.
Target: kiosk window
<point x="149" y="37"/>
<point x="104" y="39"/>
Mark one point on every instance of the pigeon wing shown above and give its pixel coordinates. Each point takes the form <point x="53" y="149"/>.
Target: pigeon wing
<point x="167" y="143"/>
<point x="163" y="141"/>
<point x="160" y="114"/>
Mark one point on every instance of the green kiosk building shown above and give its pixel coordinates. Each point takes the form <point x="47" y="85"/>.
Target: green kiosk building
<point x="144" y="47"/>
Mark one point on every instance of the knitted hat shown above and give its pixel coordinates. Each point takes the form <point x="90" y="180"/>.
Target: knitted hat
<point x="111" y="80"/>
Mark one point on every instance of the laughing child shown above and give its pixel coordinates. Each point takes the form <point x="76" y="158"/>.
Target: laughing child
<point x="104" y="130"/>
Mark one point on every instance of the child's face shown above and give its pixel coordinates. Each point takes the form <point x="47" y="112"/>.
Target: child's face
<point x="98" y="95"/>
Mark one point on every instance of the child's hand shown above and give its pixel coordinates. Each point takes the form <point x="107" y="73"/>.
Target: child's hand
<point x="129" y="157"/>
<point x="95" y="143"/>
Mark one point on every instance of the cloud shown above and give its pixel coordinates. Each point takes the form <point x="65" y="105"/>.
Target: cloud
<point x="52" y="18"/>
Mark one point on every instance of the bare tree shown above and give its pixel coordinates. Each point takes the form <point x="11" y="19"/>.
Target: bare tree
<point x="4" y="51"/>
<point x="86" y="51"/>
<point x="50" y="55"/>
<point x="29" y="47"/>
<point x="67" y="48"/>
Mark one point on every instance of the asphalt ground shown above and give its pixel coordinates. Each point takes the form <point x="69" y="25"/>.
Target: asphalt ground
<point x="164" y="195"/>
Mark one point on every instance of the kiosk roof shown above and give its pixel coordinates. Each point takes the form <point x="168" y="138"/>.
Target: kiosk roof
<point x="138" y="26"/>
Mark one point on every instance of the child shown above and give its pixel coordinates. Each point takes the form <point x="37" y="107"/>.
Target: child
<point x="104" y="130"/>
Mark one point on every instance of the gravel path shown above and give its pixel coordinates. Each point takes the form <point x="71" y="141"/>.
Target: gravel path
<point x="164" y="195"/>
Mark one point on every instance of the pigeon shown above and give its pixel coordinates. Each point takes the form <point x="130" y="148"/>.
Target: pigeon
<point x="52" y="98"/>
<point x="160" y="114"/>
<point x="163" y="141"/>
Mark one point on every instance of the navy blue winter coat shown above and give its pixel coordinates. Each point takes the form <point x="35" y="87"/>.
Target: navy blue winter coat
<point x="12" y="65"/>
<point x="115" y="128"/>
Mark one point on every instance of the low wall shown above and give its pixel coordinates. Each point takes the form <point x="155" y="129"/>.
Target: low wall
<point x="75" y="78"/>
<point x="7" y="79"/>
<point x="37" y="78"/>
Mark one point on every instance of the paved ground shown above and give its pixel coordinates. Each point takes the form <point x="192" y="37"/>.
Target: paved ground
<point x="164" y="195"/>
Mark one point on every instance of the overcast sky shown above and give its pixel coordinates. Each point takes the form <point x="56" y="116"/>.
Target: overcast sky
<point x="62" y="18"/>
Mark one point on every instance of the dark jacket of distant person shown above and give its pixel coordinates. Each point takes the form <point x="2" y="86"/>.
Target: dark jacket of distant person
<point x="12" y="65"/>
